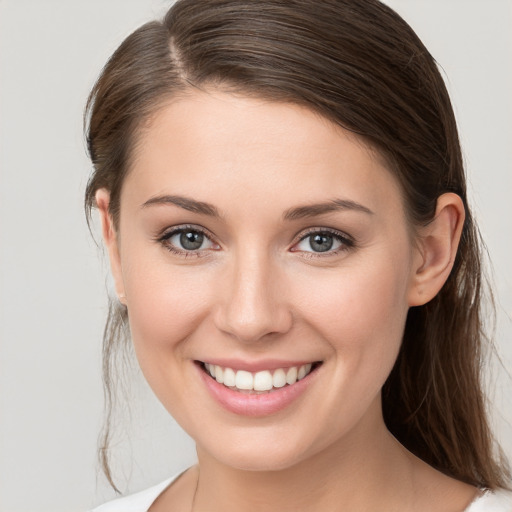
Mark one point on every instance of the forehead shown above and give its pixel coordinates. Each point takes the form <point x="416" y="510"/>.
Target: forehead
<point x="226" y="144"/>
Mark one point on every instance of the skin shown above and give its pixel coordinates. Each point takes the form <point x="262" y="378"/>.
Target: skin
<point x="256" y="289"/>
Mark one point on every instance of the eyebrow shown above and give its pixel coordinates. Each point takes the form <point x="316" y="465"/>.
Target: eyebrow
<point x="298" y="212"/>
<point x="186" y="203"/>
<point x="334" y="205"/>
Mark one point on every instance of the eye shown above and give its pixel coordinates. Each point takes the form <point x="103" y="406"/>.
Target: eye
<point x="323" y="241"/>
<point x="187" y="240"/>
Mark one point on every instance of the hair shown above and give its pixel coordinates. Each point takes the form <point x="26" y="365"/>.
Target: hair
<point x="360" y="65"/>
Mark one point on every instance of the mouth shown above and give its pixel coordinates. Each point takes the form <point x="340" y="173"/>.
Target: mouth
<point x="260" y="382"/>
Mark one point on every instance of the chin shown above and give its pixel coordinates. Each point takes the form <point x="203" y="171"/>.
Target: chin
<point x="261" y="460"/>
<point x="260" y="455"/>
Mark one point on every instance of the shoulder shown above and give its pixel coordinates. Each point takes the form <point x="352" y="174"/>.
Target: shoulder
<point x="139" y="502"/>
<point x="492" y="501"/>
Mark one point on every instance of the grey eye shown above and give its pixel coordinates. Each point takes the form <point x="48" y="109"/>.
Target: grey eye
<point x="190" y="240"/>
<point x="321" y="242"/>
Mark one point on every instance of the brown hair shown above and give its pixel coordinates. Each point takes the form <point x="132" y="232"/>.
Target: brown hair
<point x="360" y="65"/>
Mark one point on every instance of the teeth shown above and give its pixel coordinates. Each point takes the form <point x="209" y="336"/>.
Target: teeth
<point x="303" y="371"/>
<point x="260" y="381"/>
<point x="229" y="377"/>
<point x="219" y="375"/>
<point x="291" y="375"/>
<point x="244" y="380"/>
<point x="279" y="378"/>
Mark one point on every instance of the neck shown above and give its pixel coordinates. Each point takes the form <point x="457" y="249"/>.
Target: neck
<point x="358" y="473"/>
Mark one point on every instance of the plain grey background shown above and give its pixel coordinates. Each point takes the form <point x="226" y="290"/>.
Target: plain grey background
<point x="52" y="276"/>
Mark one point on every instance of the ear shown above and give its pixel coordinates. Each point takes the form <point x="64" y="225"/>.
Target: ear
<point x="437" y="247"/>
<point x="110" y="238"/>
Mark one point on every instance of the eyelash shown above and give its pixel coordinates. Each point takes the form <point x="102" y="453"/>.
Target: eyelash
<point x="165" y="241"/>
<point x="346" y="242"/>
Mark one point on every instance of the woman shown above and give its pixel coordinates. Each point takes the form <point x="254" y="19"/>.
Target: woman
<point x="282" y="195"/>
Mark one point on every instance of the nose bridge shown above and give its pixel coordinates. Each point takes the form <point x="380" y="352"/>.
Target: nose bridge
<point x="253" y="304"/>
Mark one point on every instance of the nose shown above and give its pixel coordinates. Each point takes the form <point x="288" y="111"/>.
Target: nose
<point x="252" y="305"/>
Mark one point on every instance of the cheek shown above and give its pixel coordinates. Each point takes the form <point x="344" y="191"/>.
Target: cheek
<point x="165" y="304"/>
<point x="361" y="312"/>
<point x="357" y="303"/>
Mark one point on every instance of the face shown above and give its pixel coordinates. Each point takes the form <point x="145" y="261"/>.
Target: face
<point x="262" y="244"/>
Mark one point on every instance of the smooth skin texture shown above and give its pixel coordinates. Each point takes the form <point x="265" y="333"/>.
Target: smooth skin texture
<point x="239" y="171"/>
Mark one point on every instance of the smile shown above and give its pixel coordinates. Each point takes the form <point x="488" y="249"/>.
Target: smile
<point x="259" y="392"/>
<point x="258" y="382"/>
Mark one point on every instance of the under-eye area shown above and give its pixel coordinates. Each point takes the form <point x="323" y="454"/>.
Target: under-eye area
<point x="264" y="381"/>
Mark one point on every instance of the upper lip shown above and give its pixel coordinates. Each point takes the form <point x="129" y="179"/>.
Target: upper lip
<point x="256" y="366"/>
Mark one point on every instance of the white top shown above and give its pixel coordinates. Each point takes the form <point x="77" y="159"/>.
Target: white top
<point x="498" y="501"/>
<point x="139" y="502"/>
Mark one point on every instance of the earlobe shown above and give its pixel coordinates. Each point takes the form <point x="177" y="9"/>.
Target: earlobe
<point x="111" y="242"/>
<point x="437" y="247"/>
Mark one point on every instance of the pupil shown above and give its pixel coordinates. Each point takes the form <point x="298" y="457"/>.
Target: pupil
<point x="191" y="240"/>
<point x="321" y="243"/>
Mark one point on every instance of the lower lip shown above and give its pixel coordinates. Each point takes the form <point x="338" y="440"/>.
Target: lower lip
<point x="255" y="405"/>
